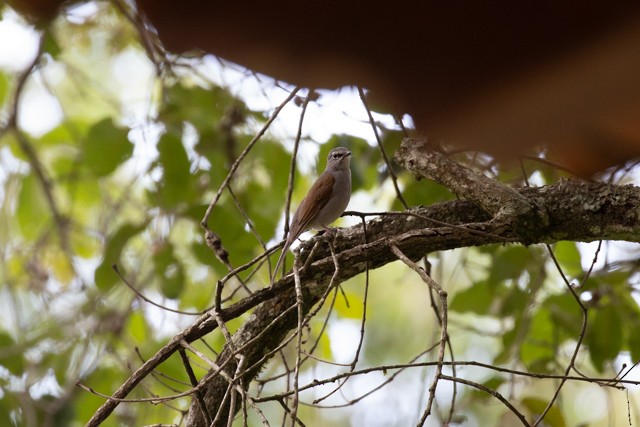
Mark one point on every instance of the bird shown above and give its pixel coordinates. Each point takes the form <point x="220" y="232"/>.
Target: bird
<point x="326" y="200"/>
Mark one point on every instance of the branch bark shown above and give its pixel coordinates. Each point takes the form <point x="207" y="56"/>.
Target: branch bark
<point x="568" y="210"/>
<point x="504" y="203"/>
<point x="575" y="211"/>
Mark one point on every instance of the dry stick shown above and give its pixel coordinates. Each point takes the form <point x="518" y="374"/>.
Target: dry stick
<point x="353" y="364"/>
<point x="234" y="167"/>
<point x="194" y="383"/>
<point x="146" y="299"/>
<point x="336" y="272"/>
<point x="365" y="297"/>
<point x="451" y="355"/>
<point x="30" y="152"/>
<point x="287" y="340"/>
<point x="385" y="368"/>
<point x="233" y="273"/>
<point x="236" y="164"/>
<point x="290" y="338"/>
<point x="234" y="394"/>
<point x="288" y="411"/>
<point x="325" y="323"/>
<point x="296" y="375"/>
<point x="492" y="392"/>
<point x="292" y="174"/>
<point x="309" y="354"/>
<point x="583" y="329"/>
<point x="347" y="375"/>
<point x="628" y="370"/>
<point x="435" y="221"/>
<point x="223" y="328"/>
<point x="605" y="382"/>
<point x="392" y="174"/>
<point x="251" y="227"/>
<point x="154" y="50"/>
<point x="232" y="381"/>
<point x="164" y="353"/>
<point x="160" y="376"/>
<point x="153" y="400"/>
<point x="443" y="334"/>
<point x="218" y="415"/>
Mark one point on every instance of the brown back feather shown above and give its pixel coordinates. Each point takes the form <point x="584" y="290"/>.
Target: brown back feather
<point x="310" y="206"/>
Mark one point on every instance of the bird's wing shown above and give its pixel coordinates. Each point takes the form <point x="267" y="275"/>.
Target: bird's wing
<point x="316" y="199"/>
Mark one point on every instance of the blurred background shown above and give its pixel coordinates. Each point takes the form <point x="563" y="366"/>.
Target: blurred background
<point x="118" y="129"/>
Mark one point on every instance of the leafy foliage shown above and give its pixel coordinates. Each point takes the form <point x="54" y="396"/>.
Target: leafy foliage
<point x="114" y="184"/>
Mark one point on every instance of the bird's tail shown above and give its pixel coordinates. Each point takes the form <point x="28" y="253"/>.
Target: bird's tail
<point x="283" y="255"/>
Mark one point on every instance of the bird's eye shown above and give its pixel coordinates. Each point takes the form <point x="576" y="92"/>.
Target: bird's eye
<point x="336" y="155"/>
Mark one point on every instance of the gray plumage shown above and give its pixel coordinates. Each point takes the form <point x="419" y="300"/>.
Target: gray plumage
<point x="327" y="198"/>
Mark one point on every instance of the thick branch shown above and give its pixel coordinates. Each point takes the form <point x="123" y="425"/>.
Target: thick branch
<point x="504" y="203"/>
<point x="576" y="211"/>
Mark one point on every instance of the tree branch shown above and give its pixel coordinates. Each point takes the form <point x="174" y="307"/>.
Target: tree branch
<point x="504" y="203"/>
<point x="576" y="211"/>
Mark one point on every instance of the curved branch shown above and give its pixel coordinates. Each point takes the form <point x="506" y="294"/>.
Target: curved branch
<point x="504" y="203"/>
<point x="601" y="208"/>
<point x="576" y="210"/>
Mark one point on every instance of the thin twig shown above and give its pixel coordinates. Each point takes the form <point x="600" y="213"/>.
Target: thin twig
<point x="443" y="334"/>
<point x="583" y="328"/>
<point x="146" y="299"/>
<point x="492" y="393"/>
<point x="236" y="164"/>
<point x="194" y="383"/>
<point x="299" y="305"/>
<point x="392" y="174"/>
<point x="292" y="168"/>
<point x="435" y="221"/>
<point x="365" y="298"/>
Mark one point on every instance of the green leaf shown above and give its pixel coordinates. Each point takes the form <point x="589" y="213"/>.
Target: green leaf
<point x="634" y="339"/>
<point x="10" y="357"/>
<point x="568" y="257"/>
<point x="60" y="365"/>
<point x="509" y="263"/>
<point x="169" y="271"/>
<point x="60" y="135"/>
<point x="538" y="346"/>
<point x="565" y="314"/>
<point x="5" y="405"/>
<point x="204" y="108"/>
<point x="476" y="299"/>
<point x="423" y="192"/>
<point x="493" y="383"/>
<point x="604" y="336"/>
<point x="33" y="211"/>
<point x="355" y="309"/>
<point x="51" y="45"/>
<point x="4" y="88"/>
<point x="536" y="407"/>
<point x="177" y="181"/>
<point x="104" y="275"/>
<point x="514" y="302"/>
<point x="137" y="327"/>
<point x="106" y="148"/>
<point x="86" y="193"/>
